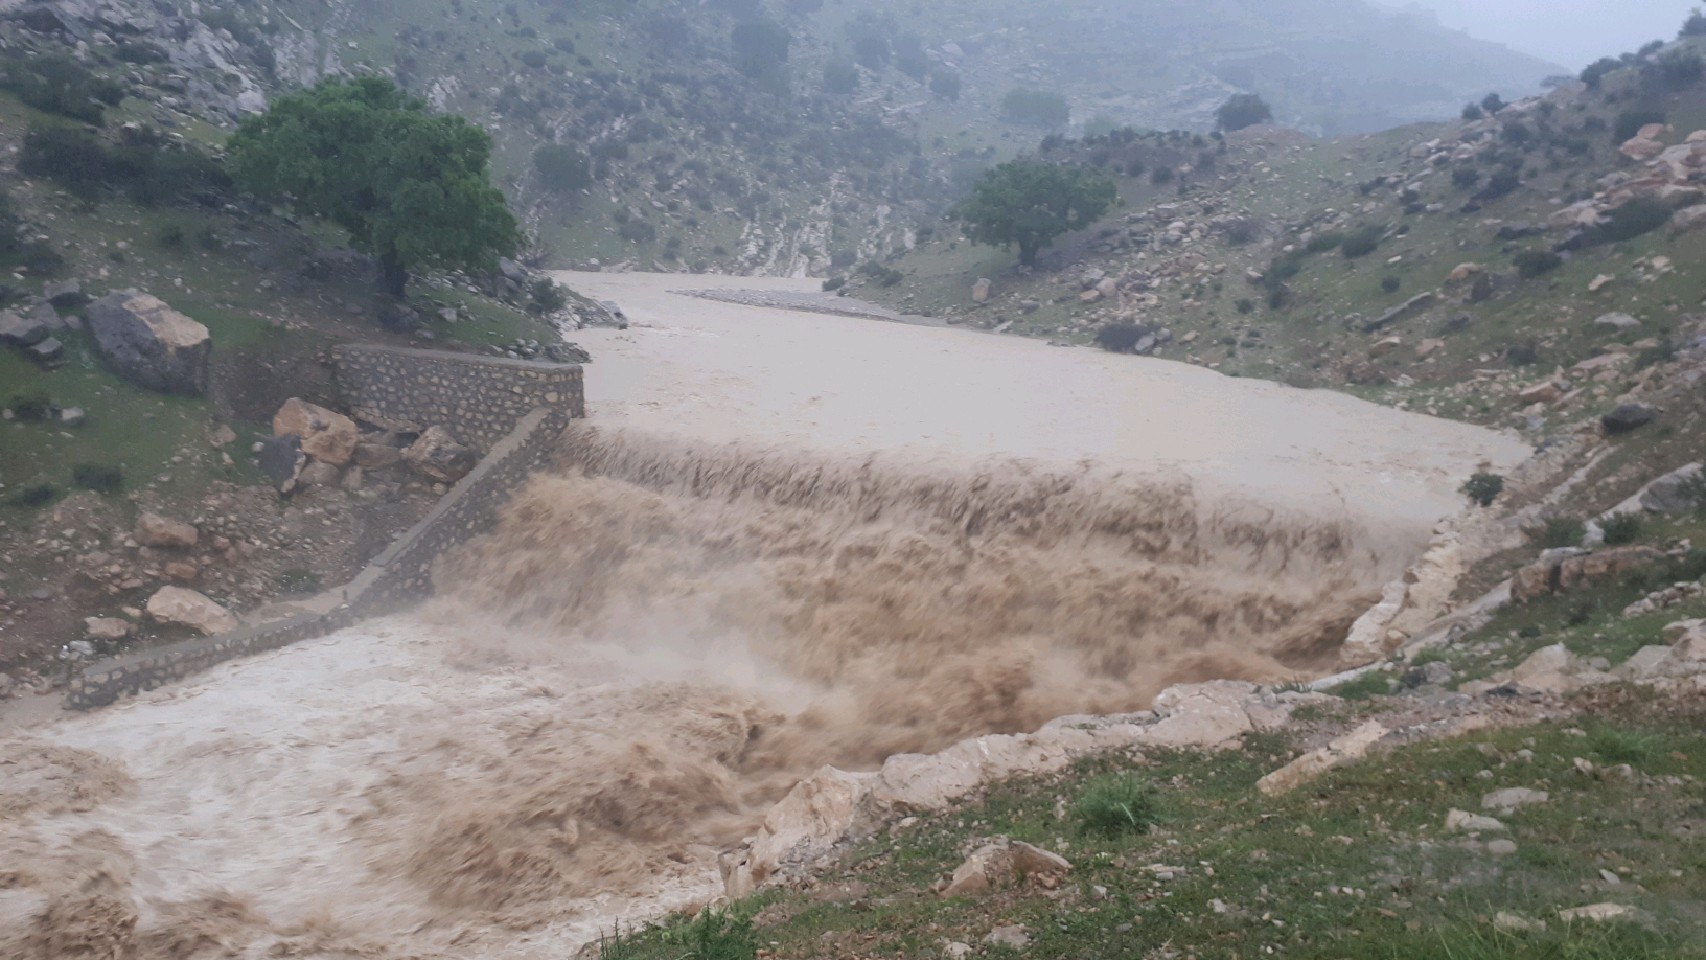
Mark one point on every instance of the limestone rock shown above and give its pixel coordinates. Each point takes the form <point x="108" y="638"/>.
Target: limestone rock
<point x="108" y="628"/>
<point x="1013" y="937"/>
<point x="980" y="290"/>
<point x="1546" y="393"/>
<point x="1616" y="321"/>
<point x="438" y="456"/>
<point x="1346" y="749"/>
<point x="1384" y="346"/>
<point x="1688" y="220"/>
<point x="1510" y="798"/>
<point x="319" y="473"/>
<point x="153" y="530"/>
<point x="185" y="607"/>
<point x="327" y="436"/>
<point x="1597" y="913"/>
<point x="376" y="456"/>
<point x="149" y="343"/>
<point x="1641" y="148"/>
<point x="1002" y="862"/>
<point x="1462" y="821"/>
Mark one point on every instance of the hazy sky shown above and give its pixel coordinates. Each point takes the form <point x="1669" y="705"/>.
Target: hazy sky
<point x="1572" y="32"/>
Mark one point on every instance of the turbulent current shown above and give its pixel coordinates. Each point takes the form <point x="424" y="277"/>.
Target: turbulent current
<point x="667" y="629"/>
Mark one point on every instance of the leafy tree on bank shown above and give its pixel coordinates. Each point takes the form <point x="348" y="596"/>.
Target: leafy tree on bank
<point x="1030" y="204"/>
<point x="410" y="187"/>
<point x="1243" y="110"/>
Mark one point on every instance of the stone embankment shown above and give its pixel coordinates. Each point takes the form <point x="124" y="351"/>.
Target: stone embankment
<point x="511" y="411"/>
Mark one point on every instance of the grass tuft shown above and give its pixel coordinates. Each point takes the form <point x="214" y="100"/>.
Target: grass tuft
<point x="1115" y="804"/>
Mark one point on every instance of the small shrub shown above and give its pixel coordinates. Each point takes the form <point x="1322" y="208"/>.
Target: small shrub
<point x="1630" y="122"/>
<point x="31" y="407"/>
<point x="1502" y="184"/>
<point x="1116" y="804"/>
<point x="171" y="236"/>
<point x="1694" y="26"/>
<point x="545" y="297"/>
<point x="1483" y="488"/>
<point x="562" y="168"/>
<point x="712" y="935"/>
<point x="1594" y="72"/>
<point x="1390" y="284"/>
<point x="1373" y="683"/>
<point x="1523" y="353"/>
<point x="34" y="496"/>
<point x="840" y="77"/>
<point x="881" y="275"/>
<point x="1622" y="529"/>
<point x="69" y="156"/>
<point x="1362" y="241"/>
<point x="1041" y="108"/>
<point x="1664" y="352"/>
<point x="1243" y="231"/>
<point x="61" y="85"/>
<point x="1246" y="305"/>
<point x="534" y="59"/>
<point x="99" y="477"/>
<point x="833" y="284"/>
<point x="1325" y="241"/>
<point x="1612" y="745"/>
<point x="1465" y="178"/>
<point x="1680" y="68"/>
<point x="1639" y="216"/>
<point x="1492" y="103"/>
<point x="1473" y="112"/>
<point x="1120" y="337"/>
<point x="1534" y="263"/>
<point x="1562" y="532"/>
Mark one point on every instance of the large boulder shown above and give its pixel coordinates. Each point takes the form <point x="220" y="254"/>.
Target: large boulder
<point x="153" y="530"/>
<point x="327" y="436"/>
<point x="149" y="343"/>
<point x="438" y="456"/>
<point x="185" y="607"/>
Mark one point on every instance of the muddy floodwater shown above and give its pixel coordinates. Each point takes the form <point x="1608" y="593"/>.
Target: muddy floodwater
<point x="779" y="540"/>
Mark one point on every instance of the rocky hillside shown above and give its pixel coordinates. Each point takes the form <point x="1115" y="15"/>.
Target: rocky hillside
<point x="657" y="133"/>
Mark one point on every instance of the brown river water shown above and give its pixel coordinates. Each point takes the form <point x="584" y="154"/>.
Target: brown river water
<point x="780" y="540"/>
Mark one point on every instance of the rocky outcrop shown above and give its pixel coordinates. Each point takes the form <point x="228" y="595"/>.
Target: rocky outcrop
<point x="148" y="343"/>
<point x="180" y="606"/>
<point x="326" y="435"/>
<point x="1571" y="569"/>
<point x="833" y="804"/>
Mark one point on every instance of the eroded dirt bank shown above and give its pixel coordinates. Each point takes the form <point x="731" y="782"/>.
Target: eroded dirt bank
<point x="782" y="540"/>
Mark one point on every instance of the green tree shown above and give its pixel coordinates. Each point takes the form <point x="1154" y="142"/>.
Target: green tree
<point x="1695" y="25"/>
<point x="1243" y="110"/>
<point x="761" y="46"/>
<point x="1030" y="204"/>
<point x="562" y="168"/>
<point x="410" y="187"/>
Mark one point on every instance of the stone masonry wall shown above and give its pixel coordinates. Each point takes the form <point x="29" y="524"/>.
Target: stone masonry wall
<point x="512" y="411"/>
<point x="478" y="399"/>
